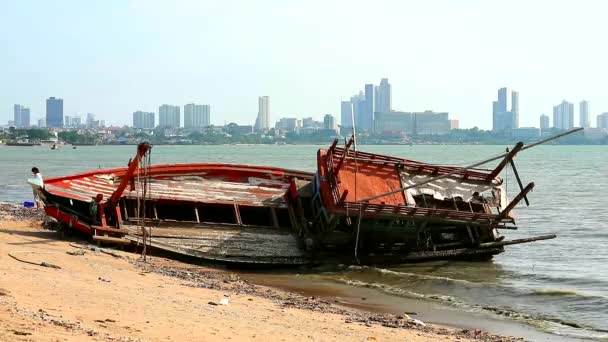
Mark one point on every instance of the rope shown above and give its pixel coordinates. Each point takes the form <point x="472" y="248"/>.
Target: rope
<point x="356" y="173"/>
<point x="43" y="263"/>
<point x="144" y="167"/>
<point x="95" y="249"/>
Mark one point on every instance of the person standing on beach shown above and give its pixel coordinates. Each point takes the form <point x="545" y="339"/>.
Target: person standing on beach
<point x="38" y="178"/>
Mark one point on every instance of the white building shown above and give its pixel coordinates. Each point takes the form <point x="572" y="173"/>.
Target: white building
<point x="563" y="115"/>
<point x="584" y="114"/>
<point x="602" y="121"/>
<point x="329" y="122"/>
<point x="143" y="120"/>
<point x="169" y="116"/>
<point x="262" y="122"/>
<point x="197" y="116"/>
<point x="544" y="122"/>
<point x="21" y="116"/>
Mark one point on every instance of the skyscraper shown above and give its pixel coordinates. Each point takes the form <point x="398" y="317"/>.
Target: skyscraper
<point x="346" y="113"/>
<point x="169" y="116"/>
<point x="90" y="120"/>
<point x="563" y="115"/>
<point x="197" y="116"/>
<point x="502" y="99"/>
<point x="366" y="118"/>
<point x="584" y="114"/>
<point x="502" y="118"/>
<point x="54" y="112"/>
<point x="383" y="97"/>
<point x="21" y="116"/>
<point x="602" y="121"/>
<point x="143" y="120"/>
<point x="262" y="122"/>
<point x="329" y="122"/>
<point x="544" y="122"/>
<point x="515" y="109"/>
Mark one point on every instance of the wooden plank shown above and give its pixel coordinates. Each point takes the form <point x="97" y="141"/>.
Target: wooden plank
<point x="516" y="241"/>
<point x="110" y="230"/>
<point x="119" y="241"/>
<point x="509" y="156"/>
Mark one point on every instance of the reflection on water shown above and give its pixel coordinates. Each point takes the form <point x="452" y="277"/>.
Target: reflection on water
<point x="562" y="281"/>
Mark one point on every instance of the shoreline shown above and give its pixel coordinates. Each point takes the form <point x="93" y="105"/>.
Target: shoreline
<point x="67" y="303"/>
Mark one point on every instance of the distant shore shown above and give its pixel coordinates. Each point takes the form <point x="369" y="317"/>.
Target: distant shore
<point x="120" y="298"/>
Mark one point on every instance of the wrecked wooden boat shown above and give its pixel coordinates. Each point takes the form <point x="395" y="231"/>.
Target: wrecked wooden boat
<point x="357" y="207"/>
<point x="227" y="213"/>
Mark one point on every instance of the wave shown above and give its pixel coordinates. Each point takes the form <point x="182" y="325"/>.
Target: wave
<point x="417" y="275"/>
<point x="544" y="322"/>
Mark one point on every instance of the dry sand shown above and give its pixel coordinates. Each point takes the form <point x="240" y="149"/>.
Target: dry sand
<point x="97" y="296"/>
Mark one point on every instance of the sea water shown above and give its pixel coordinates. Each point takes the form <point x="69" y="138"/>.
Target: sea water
<point x="559" y="285"/>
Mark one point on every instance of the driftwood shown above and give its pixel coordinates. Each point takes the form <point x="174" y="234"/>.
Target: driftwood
<point x="516" y="241"/>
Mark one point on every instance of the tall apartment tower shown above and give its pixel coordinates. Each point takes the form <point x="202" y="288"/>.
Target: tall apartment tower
<point x="21" y="116"/>
<point x="197" y="116"/>
<point x="382" y="97"/>
<point x="584" y="114"/>
<point x="602" y="121"/>
<point x="544" y="122"/>
<point x="502" y="117"/>
<point x="515" y="109"/>
<point x="563" y="115"/>
<point x="365" y="120"/>
<point x="262" y="122"/>
<point x="143" y="120"/>
<point x="346" y="113"/>
<point x="54" y="112"/>
<point x="169" y="116"/>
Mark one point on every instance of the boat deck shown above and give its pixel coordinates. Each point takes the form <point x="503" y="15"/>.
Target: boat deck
<point x="205" y="183"/>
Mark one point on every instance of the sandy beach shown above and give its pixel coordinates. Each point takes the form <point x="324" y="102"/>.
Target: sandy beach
<point x="107" y="295"/>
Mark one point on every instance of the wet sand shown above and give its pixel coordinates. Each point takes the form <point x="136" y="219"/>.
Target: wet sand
<point x="103" y="297"/>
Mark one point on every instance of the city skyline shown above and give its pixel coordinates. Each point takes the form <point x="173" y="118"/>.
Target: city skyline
<point x="236" y="53"/>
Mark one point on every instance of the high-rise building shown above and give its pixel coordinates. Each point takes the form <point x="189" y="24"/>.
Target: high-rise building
<point x="41" y="123"/>
<point x="382" y="97"/>
<point x="262" y="122"/>
<point x="515" y="109"/>
<point x="602" y="121"/>
<point x="169" y="116"/>
<point x="75" y="121"/>
<point x="563" y="115"/>
<point x="21" y="116"/>
<point x="346" y="113"/>
<point x="143" y="120"/>
<point x="67" y="121"/>
<point x="431" y="123"/>
<point x="544" y="122"/>
<point x="365" y="119"/>
<point x="288" y="124"/>
<point x="54" y="112"/>
<point x="584" y="114"/>
<point x="329" y="122"/>
<point x="502" y="99"/>
<point x="502" y="118"/>
<point x="16" y="115"/>
<point x="197" y="116"/>
<point x="394" y="123"/>
<point x="90" y="121"/>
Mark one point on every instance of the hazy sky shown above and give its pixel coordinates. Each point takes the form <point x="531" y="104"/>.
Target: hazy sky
<point x="115" y="57"/>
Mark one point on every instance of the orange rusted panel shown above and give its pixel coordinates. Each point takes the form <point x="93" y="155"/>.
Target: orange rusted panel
<point x="369" y="180"/>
